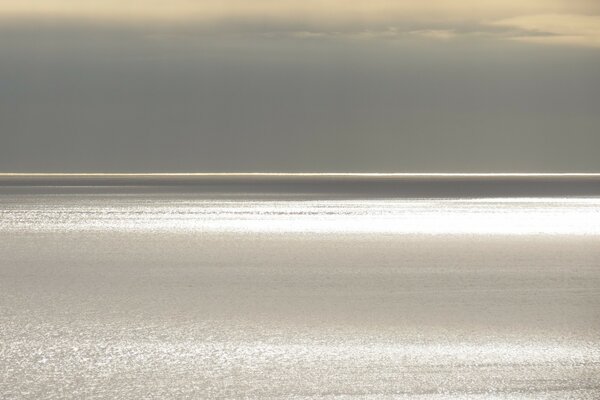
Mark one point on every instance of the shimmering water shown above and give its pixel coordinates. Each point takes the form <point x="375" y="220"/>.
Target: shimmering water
<point x="193" y="295"/>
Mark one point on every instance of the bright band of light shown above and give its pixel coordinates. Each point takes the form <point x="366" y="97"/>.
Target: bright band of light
<point x="511" y="216"/>
<point x="297" y="174"/>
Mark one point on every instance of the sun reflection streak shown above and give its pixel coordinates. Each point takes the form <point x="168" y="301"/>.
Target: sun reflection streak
<point x="514" y="216"/>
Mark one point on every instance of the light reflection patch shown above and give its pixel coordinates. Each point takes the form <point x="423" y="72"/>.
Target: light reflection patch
<point x="514" y="216"/>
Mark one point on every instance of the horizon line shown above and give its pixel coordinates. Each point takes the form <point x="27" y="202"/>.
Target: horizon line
<point x="301" y="174"/>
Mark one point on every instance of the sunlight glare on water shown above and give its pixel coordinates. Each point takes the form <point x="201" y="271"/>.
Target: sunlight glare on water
<point x="183" y="295"/>
<point x="515" y="216"/>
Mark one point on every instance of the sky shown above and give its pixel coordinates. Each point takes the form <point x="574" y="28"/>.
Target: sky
<point x="299" y="86"/>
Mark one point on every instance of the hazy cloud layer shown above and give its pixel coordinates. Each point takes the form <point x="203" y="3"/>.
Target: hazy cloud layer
<point x="555" y="28"/>
<point x="293" y="85"/>
<point x="566" y="22"/>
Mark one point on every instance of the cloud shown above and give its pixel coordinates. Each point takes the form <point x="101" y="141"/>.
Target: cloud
<point x="583" y="30"/>
<point x="387" y="33"/>
<point x="539" y="21"/>
<point x="438" y="34"/>
<point x="327" y="12"/>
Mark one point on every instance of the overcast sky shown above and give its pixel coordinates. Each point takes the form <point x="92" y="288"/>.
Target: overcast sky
<point x="299" y="85"/>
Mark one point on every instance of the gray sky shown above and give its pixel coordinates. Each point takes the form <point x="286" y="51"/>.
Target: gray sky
<point x="299" y="86"/>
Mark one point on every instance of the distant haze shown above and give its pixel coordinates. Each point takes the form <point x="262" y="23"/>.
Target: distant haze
<point x="264" y="85"/>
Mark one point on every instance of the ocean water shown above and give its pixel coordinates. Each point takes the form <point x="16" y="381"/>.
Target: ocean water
<point x="129" y="293"/>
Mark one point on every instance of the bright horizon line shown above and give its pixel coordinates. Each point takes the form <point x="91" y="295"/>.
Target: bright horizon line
<point x="300" y="174"/>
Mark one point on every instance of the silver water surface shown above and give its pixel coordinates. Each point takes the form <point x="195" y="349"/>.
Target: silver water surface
<point x="191" y="295"/>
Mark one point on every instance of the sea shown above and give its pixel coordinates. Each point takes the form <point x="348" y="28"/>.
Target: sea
<point x="299" y="287"/>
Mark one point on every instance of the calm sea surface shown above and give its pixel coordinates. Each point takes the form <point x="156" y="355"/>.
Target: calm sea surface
<point x="133" y="294"/>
